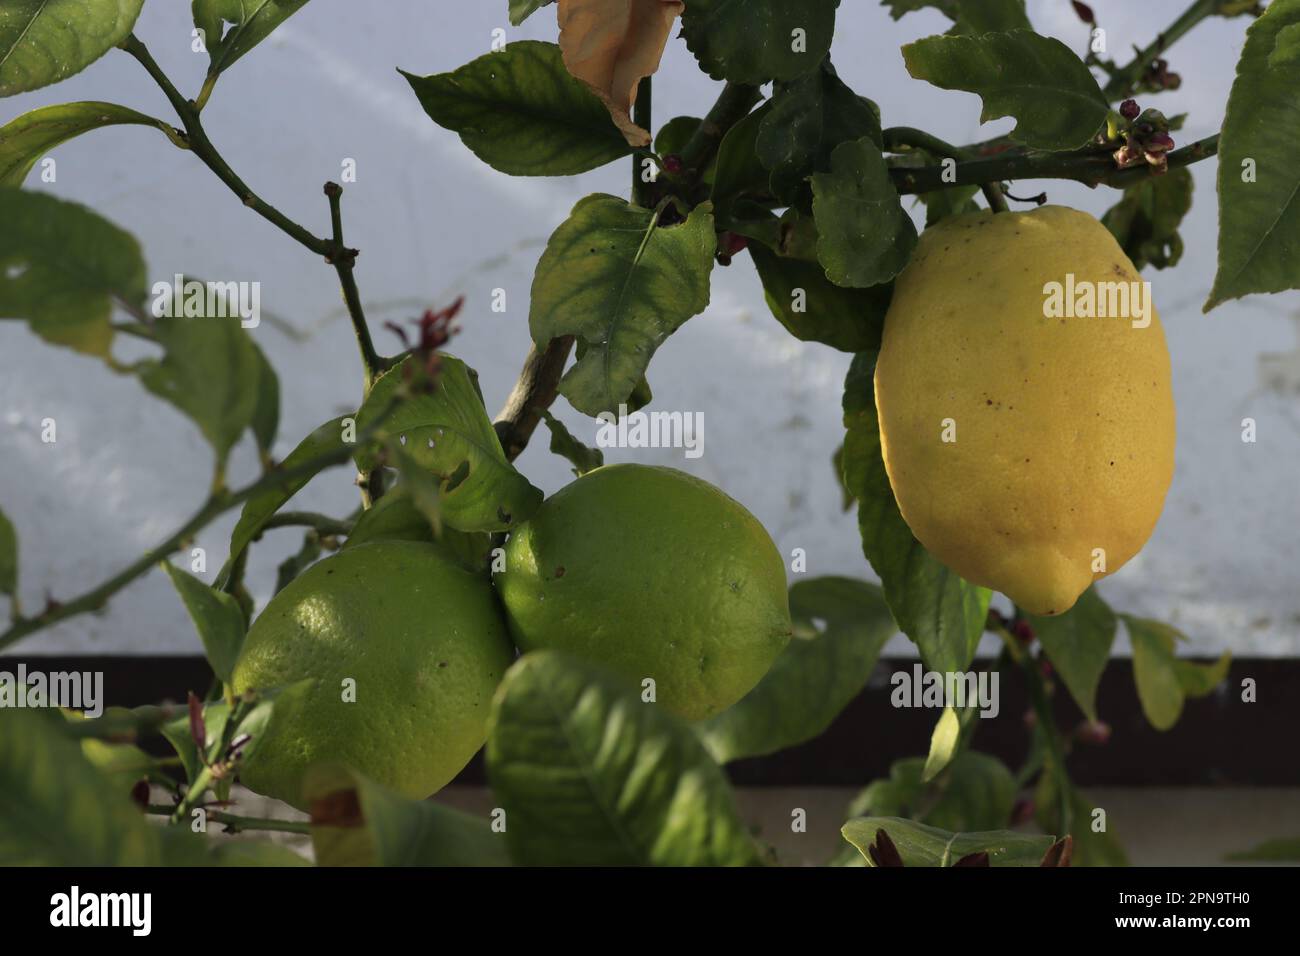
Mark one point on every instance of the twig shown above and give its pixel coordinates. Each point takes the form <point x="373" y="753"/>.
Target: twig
<point x="733" y="104"/>
<point x="238" y="824"/>
<point x="344" y="260"/>
<point x="202" y="147"/>
<point x="309" y="519"/>
<point x="1124" y="80"/>
<point x="533" y="393"/>
<point x="994" y="197"/>
<point x="1093" y="167"/>
<point x="220" y="501"/>
<point x="642" y="115"/>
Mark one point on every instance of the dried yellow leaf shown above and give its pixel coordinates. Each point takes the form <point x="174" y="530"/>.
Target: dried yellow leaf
<point x="611" y="45"/>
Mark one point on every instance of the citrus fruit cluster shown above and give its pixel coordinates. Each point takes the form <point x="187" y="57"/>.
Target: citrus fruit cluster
<point x="657" y="576"/>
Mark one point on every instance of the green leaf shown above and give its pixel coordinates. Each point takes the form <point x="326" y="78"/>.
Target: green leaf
<point x="325" y="439"/>
<point x="32" y="135"/>
<point x="814" y="309"/>
<point x="975" y="792"/>
<point x="816" y="676"/>
<point x="521" y="112"/>
<point x="1270" y="851"/>
<point x="582" y="458"/>
<point x="449" y="434"/>
<point x="216" y="714"/>
<point x="266" y="410"/>
<point x="8" y="557"/>
<point x="922" y="845"/>
<point x="1145" y="222"/>
<point x="521" y="10"/>
<point x="124" y="764"/>
<point x="252" y="853"/>
<point x="809" y="117"/>
<point x="590" y="776"/>
<point x="900" y="8"/>
<point x="356" y="822"/>
<point x="1038" y="80"/>
<point x="969" y="16"/>
<point x="423" y="489"/>
<point x="252" y="21"/>
<point x="45" y="41"/>
<point x="56" y="809"/>
<point x="1091" y="847"/>
<point x="864" y="236"/>
<point x="753" y="41"/>
<point x="933" y="605"/>
<point x="1078" y="644"/>
<point x="612" y="276"/>
<point x="953" y="201"/>
<point x="1153" y="657"/>
<point x="210" y="371"/>
<point x="673" y="136"/>
<point x="1259" y="221"/>
<point x="739" y="174"/>
<point x="1163" y="680"/>
<point x="943" y="744"/>
<point x="1198" y="680"/>
<point x="217" y="617"/>
<point x="395" y="517"/>
<point x="62" y="268"/>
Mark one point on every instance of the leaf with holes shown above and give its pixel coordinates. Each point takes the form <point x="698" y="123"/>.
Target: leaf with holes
<point x="612" y="276"/>
<point x="448" y="433"/>
<point x="1038" y="80"/>
<point x="251" y="22"/>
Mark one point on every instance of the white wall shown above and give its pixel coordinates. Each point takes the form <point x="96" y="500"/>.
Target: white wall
<point x="432" y="222"/>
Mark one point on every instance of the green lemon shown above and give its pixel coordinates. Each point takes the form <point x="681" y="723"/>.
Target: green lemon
<point x="653" y="574"/>
<point x="418" y="639"/>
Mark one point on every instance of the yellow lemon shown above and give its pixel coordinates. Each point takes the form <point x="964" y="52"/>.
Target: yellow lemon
<point x="1026" y="414"/>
